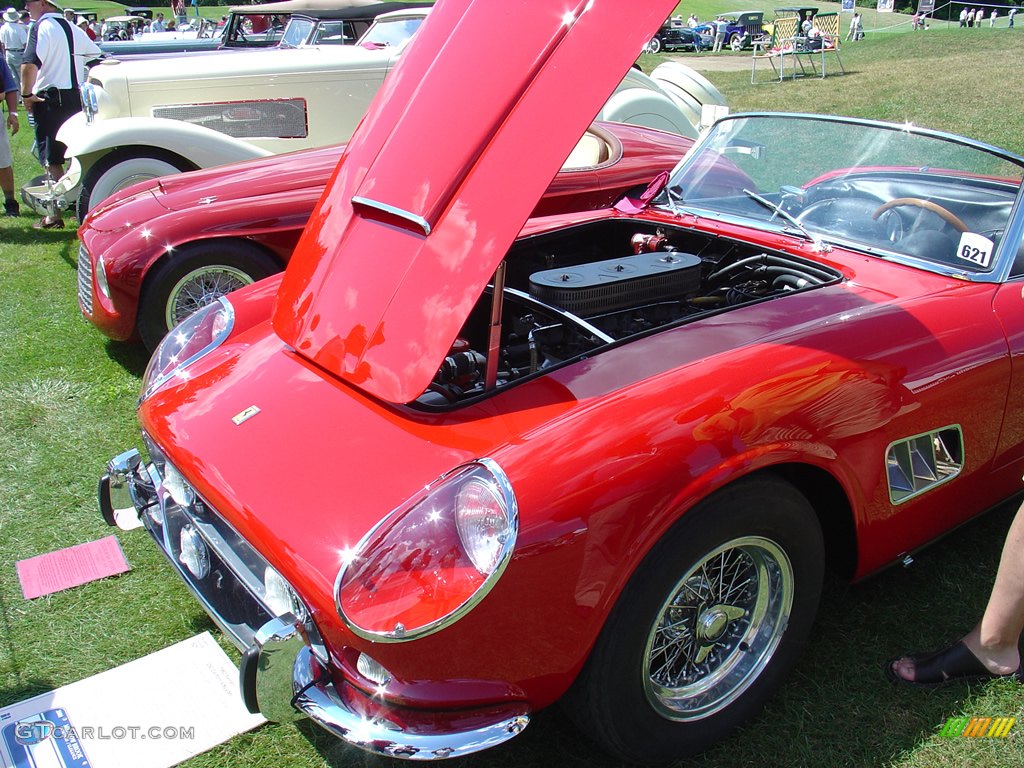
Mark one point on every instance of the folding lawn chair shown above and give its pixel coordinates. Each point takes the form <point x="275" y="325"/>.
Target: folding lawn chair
<point x="774" y="50"/>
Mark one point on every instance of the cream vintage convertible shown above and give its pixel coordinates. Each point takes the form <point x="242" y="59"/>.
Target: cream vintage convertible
<point x="149" y="118"/>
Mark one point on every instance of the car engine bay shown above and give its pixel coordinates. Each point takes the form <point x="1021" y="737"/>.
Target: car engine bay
<point x="564" y="298"/>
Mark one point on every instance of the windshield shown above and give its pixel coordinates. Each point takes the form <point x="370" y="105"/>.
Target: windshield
<point x="391" y="32"/>
<point x="254" y="29"/>
<point x="297" y="32"/>
<point x="882" y="188"/>
<point x="333" y="33"/>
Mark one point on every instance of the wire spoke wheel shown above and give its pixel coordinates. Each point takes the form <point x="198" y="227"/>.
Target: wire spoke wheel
<point x="204" y="286"/>
<point x="718" y="629"/>
<point x="708" y="626"/>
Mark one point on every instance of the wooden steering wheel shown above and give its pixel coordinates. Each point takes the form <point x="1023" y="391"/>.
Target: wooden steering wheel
<point x="950" y="218"/>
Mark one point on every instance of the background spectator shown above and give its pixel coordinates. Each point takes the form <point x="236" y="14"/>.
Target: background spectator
<point x="13" y="36"/>
<point x="990" y="650"/>
<point x="50" y="75"/>
<point x="84" y="24"/>
<point x="10" y="87"/>
<point x="720" y="29"/>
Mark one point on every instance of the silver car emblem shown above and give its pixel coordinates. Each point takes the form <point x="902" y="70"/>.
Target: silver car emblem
<point x="244" y="416"/>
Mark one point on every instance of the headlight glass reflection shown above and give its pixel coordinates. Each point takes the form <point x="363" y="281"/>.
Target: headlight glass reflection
<point x="433" y="559"/>
<point x="191" y="340"/>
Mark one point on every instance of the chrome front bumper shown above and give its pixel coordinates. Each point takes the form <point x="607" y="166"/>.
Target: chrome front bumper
<point x="41" y="199"/>
<point x="284" y="671"/>
<point x="49" y="198"/>
<point x="280" y="655"/>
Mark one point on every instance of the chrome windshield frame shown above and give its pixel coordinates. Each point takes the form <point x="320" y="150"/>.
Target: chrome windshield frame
<point x="1004" y="254"/>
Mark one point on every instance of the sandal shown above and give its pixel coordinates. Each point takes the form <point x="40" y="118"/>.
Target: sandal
<point x="936" y="668"/>
<point x="47" y="223"/>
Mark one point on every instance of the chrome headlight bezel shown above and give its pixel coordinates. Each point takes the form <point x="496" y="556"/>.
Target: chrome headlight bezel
<point x="90" y="101"/>
<point x="190" y="341"/>
<point x="101" y="278"/>
<point x="434" y="519"/>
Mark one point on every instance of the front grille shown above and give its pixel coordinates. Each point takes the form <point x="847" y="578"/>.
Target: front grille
<point x="233" y="592"/>
<point x="269" y="118"/>
<point x="84" y="280"/>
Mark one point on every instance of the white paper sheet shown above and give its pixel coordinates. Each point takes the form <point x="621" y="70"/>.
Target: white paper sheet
<point x="153" y="712"/>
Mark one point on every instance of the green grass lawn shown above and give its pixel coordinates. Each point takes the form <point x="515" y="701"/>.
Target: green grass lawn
<point x="924" y="78"/>
<point x="67" y="399"/>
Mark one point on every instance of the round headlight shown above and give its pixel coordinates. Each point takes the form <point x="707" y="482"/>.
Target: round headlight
<point x="90" y="101"/>
<point x="483" y="523"/>
<point x="433" y="559"/>
<point x="194" y="338"/>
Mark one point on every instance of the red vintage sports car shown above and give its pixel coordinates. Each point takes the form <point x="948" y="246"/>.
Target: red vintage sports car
<point x="456" y="470"/>
<point x="154" y="254"/>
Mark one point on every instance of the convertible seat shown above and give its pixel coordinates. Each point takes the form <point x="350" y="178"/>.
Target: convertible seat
<point x="589" y="152"/>
<point x="930" y="244"/>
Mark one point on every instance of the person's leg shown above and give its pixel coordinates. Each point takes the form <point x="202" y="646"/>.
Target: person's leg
<point x="995" y="640"/>
<point x="14" y="65"/>
<point x="7" y="175"/>
<point x="48" y="120"/>
<point x="11" y="207"/>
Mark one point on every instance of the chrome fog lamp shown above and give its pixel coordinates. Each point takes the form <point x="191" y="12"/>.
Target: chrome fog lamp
<point x="371" y="669"/>
<point x="178" y="487"/>
<point x="194" y="554"/>
<point x="280" y="597"/>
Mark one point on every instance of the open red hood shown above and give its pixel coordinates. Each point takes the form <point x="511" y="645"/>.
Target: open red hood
<point x="458" y="146"/>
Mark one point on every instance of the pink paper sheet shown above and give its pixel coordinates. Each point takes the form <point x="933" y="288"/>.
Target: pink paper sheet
<point x="66" y="568"/>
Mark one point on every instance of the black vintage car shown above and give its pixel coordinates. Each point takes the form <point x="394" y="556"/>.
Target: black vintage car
<point x="673" y="36"/>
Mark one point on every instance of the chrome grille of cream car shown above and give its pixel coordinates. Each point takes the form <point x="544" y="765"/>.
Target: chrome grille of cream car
<point x="84" y="280"/>
<point x="269" y="118"/>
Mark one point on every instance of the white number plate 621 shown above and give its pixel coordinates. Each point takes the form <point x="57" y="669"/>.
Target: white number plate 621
<point x="976" y="249"/>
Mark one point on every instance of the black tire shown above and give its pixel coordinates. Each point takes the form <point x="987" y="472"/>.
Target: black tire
<point x="754" y="547"/>
<point x="736" y="41"/>
<point x="122" y="167"/>
<point x="654" y="46"/>
<point x="194" y="276"/>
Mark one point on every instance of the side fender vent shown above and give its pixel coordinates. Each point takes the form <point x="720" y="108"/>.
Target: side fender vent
<point x="918" y="464"/>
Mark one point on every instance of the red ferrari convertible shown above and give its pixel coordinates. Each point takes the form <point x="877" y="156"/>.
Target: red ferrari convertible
<point x="456" y="470"/>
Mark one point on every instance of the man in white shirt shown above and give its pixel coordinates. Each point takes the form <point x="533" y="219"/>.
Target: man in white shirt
<point x="13" y="36"/>
<point x="51" y="72"/>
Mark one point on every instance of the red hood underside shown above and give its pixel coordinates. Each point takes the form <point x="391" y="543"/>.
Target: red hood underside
<point x="441" y="176"/>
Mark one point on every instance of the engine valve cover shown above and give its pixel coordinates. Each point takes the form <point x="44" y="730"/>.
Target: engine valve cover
<point x="604" y="286"/>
